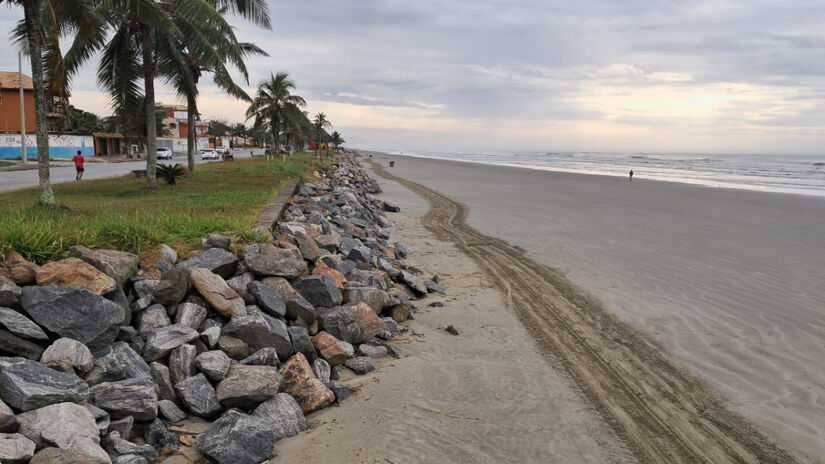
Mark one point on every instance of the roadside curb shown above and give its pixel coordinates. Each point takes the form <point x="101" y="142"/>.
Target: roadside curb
<point x="273" y="210"/>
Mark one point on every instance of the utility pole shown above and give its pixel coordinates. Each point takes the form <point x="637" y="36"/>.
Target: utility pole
<point x="22" y="109"/>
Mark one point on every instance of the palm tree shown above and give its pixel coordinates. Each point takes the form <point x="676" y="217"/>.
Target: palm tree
<point x="320" y="122"/>
<point x="271" y="103"/>
<point x="337" y="140"/>
<point x="43" y="24"/>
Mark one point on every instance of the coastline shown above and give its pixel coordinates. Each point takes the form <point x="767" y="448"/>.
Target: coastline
<point x="738" y="308"/>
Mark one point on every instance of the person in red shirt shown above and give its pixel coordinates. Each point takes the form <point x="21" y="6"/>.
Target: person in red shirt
<point x="78" y="164"/>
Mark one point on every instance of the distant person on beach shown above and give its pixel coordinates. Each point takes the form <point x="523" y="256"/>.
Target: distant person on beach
<point x="631" y="176"/>
<point x="78" y="164"/>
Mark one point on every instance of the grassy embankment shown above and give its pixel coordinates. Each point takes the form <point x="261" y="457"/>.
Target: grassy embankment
<point x="121" y="213"/>
<point x="4" y="164"/>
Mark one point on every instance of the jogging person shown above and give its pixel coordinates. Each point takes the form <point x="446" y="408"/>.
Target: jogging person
<point x="78" y="164"/>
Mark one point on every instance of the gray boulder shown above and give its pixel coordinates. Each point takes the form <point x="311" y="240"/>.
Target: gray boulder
<point x="15" y="448"/>
<point x="216" y="241"/>
<point x="215" y="364"/>
<point x="63" y="456"/>
<point x="414" y="282"/>
<point x="12" y="344"/>
<point x="117" y="446"/>
<point x="198" y="395"/>
<point x="9" y="292"/>
<point x="296" y="305"/>
<point x="301" y="343"/>
<point x="74" y="312"/>
<point x="163" y="381"/>
<point x="360" y="365"/>
<point x="67" y="426"/>
<point x="342" y="323"/>
<point x="170" y="411"/>
<point x="247" y="386"/>
<point x="132" y="397"/>
<point x="241" y="282"/>
<point x="322" y="370"/>
<point x="182" y="363"/>
<point x="130" y="459"/>
<point x="118" y="265"/>
<point x="260" y="331"/>
<point x="153" y="317"/>
<point x="283" y="414"/>
<point x="168" y="253"/>
<point x="145" y="288"/>
<point x="159" y="342"/>
<point x="278" y="262"/>
<point x="264" y="357"/>
<point x="237" y="438"/>
<point x="190" y="314"/>
<point x="376" y="298"/>
<point x="21" y="325"/>
<point x="235" y="348"/>
<point x="67" y="353"/>
<point x="27" y="385"/>
<point x="7" y="420"/>
<point x="173" y="286"/>
<point x="268" y="298"/>
<point x="120" y="362"/>
<point x="211" y="335"/>
<point x="123" y="427"/>
<point x="320" y="290"/>
<point x="217" y="260"/>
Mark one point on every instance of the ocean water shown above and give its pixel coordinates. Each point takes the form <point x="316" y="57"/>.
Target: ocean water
<point x="796" y="174"/>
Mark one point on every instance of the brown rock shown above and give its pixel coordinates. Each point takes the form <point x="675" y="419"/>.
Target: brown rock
<point x="18" y="269"/>
<point x="62" y="456"/>
<point x="339" y="278"/>
<point x="328" y="347"/>
<point x="235" y="348"/>
<point x="400" y="313"/>
<point x="215" y="291"/>
<point x="74" y="271"/>
<point x="301" y="383"/>
<point x="368" y="321"/>
<point x="16" y="346"/>
<point x="388" y="252"/>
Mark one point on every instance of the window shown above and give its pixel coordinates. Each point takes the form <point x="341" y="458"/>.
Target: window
<point x="180" y="114"/>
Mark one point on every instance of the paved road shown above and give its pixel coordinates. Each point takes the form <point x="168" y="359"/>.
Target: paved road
<point x="65" y="172"/>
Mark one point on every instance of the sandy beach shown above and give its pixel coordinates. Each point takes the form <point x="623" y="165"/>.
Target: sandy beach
<point x="727" y="282"/>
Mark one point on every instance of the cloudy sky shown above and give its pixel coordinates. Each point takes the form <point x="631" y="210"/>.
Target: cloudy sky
<point x="489" y="75"/>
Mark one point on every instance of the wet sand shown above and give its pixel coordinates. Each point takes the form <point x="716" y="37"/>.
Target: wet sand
<point x="730" y="283"/>
<point x="484" y="396"/>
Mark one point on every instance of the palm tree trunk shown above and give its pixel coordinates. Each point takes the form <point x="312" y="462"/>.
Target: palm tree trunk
<point x="149" y="90"/>
<point x="30" y="12"/>
<point x="277" y="129"/>
<point x="190" y="133"/>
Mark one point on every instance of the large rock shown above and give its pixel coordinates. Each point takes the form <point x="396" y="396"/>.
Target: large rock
<point x="199" y="397"/>
<point x="214" y="290"/>
<point x="172" y="287"/>
<point x="63" y="456"/>
<point x="301" y="343"/>
<point x="309" y="249"/>
<point x="416" y="283"/>
<point x="159" y="342"/>
<point x="7" y="420"/>
<point x="9" y="292"/>
<point x="215" y="364"/>
<point x="278" y="262"/>
<point x="217" y="260"/>
<point x="73" y="271"/>
<point x="119" y="265"/>
<point x="342" y="323"/>
<point x="182" y="363"/>
<point x="163" y="381"/>
<point x="234" y="347"/>
<point x="268" y="298"/>
<point x="170" y="411"/>
<point x="247" y="386"/>
<point x="264" y="357"/>
<point x="260" y="331"/>
<point x="237" y="438"/>
<point x="320" y="290"/>
<point x="15" y="448"/>
<point x="190" y="314"/>
<point x="135" y="453"/>
<point x="74" y="312"/>
<point x="27" y="385"/>
<point x="153" y="317"/>
<point x="339" y="278"/>
<point x="216" y="241"/>
<point x="16" y="346"/>
<point x="241" y="282"/>
<point x="329" y="348"/>
<point x="132" y="397"/>
<point x="360" y="365"/>
<point x="65" y="425"/>
<point x="375" y="298"/>
<point x="300" y="382"/>
<point x="69" y="356"/>
<point x="283" y="414"/>
<point x="17" y="268"/>
<point x="296" y="305"/>
<point x="119" y="362"/>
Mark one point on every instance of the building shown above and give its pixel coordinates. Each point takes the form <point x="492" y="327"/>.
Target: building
<point x="10" y="102"/>
<point x="176" y="129"/>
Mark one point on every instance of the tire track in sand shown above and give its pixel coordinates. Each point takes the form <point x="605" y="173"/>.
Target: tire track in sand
<point x="662" y="412"/>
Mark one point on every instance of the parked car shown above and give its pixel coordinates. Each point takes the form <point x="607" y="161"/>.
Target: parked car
<point x="222" y="150"/>
<point x="210" y="155"/>
<point x="164" y="153"/>
<point x="269" y="151"/>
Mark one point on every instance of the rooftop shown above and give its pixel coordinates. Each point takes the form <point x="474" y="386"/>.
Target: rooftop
<point x="11" y="80"/>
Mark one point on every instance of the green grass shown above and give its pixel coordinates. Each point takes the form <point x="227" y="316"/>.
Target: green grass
<point x="4" y="164"/>
<point x="122" y="213"/>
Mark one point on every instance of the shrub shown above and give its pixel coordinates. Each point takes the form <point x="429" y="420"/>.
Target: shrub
<point x="171" y="173"/>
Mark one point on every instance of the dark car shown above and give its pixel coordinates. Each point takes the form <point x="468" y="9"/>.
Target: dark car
<point x="269" y="151"/>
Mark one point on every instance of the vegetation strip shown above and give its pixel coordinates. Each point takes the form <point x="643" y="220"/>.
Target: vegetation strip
<point x="274" y="209"/>
<point x="664" y="413"/>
